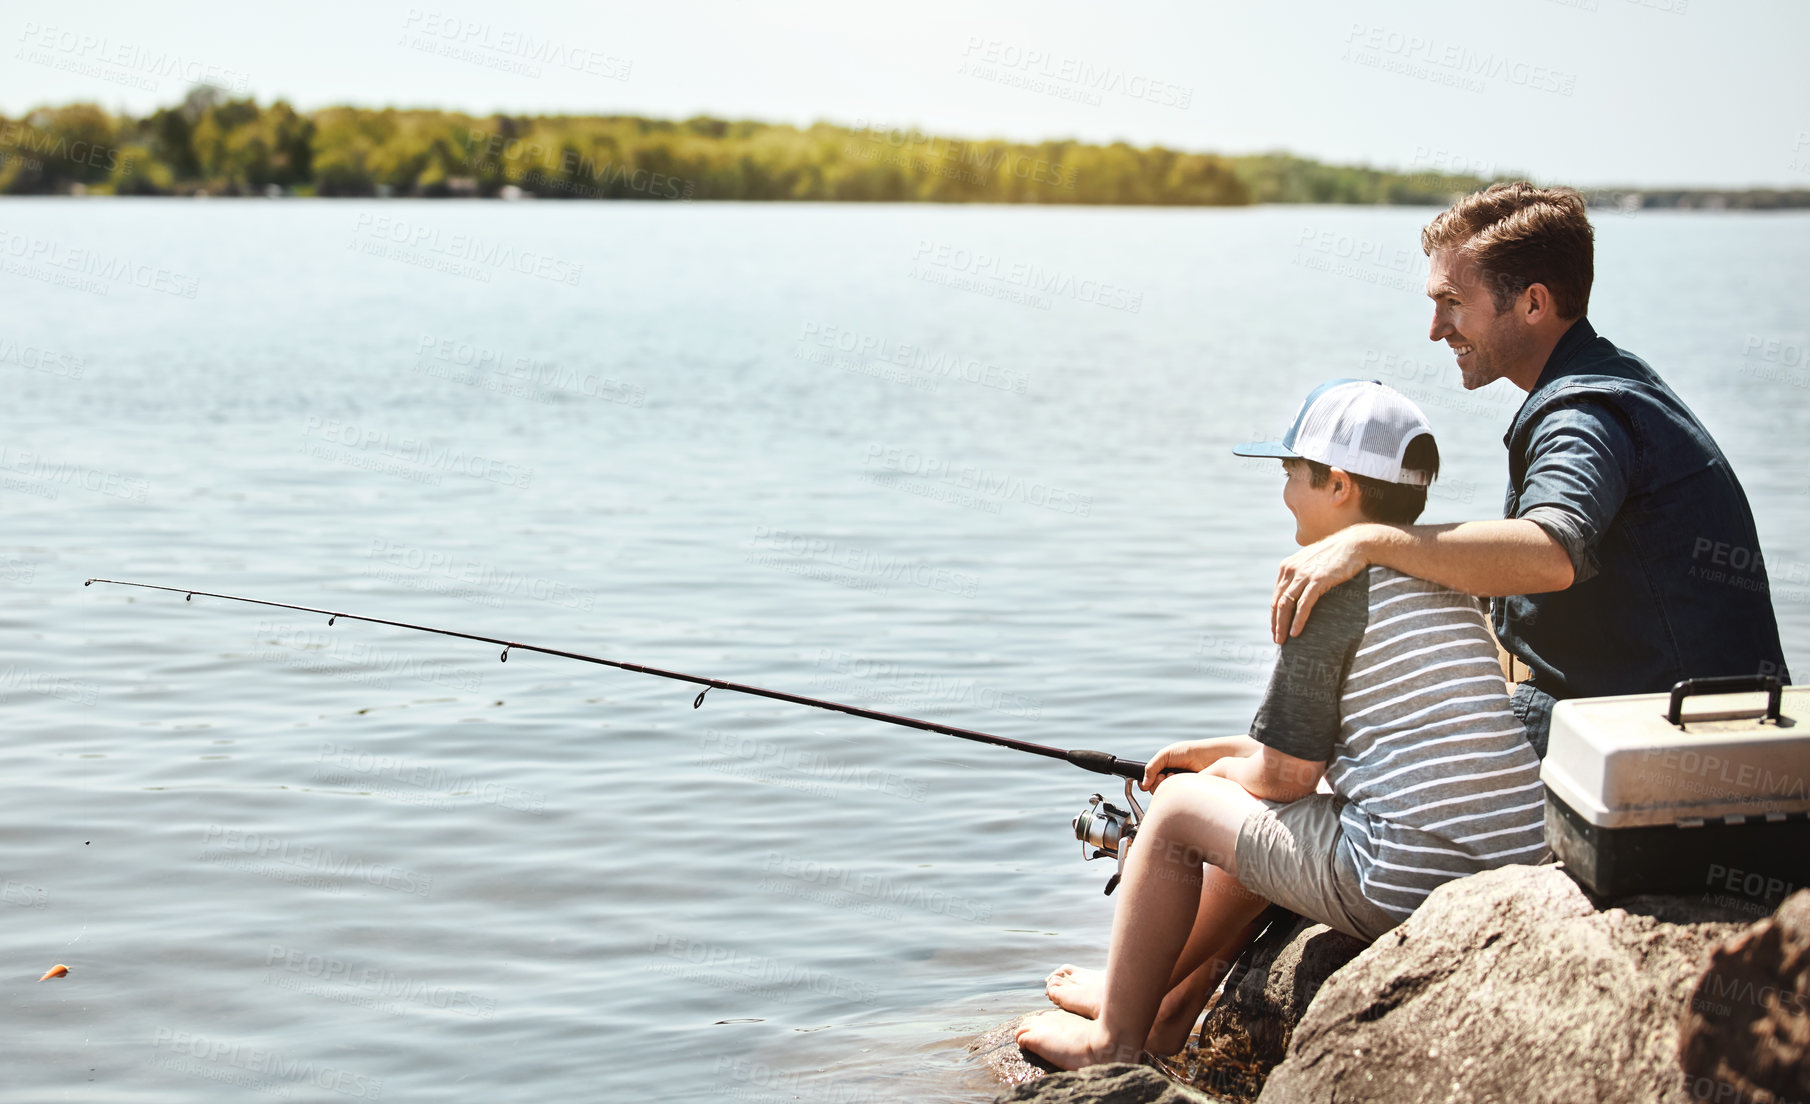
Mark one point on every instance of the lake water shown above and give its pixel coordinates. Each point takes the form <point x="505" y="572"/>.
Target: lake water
<point x="964" y="463"/>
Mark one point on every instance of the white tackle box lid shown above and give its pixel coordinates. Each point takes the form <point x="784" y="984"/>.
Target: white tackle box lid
<point x="1620" y="762"/>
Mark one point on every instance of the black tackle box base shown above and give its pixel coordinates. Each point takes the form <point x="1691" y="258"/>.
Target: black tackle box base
<point x="1759" y="861"/>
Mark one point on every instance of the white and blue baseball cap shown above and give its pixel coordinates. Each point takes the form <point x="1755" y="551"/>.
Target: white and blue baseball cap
<point x="1358" y="425"/>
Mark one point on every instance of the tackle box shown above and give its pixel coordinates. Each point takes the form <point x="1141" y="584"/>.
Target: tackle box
<point x="1702" y="791"/>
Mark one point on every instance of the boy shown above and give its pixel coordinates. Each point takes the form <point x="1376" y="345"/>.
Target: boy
<point x="1393" y="693"/>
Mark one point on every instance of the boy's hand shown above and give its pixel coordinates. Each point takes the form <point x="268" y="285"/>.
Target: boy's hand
<point x="1310" y="573"/>
<point x="1186" y="757"/>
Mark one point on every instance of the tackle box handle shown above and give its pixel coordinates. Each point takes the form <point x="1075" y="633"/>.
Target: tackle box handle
<point x="1727" y="684"/>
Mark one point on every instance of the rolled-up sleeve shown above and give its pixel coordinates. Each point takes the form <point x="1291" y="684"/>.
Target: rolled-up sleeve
<point x="1580" y="460"/>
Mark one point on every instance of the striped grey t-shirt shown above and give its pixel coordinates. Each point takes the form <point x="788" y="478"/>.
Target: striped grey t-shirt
<point x="1395" y="684"/>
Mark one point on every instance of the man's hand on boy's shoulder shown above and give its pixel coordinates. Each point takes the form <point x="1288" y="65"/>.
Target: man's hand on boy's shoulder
<point x="1308" y="574"/>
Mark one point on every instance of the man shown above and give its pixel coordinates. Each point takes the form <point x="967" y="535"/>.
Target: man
<point x="1613" y="567"/>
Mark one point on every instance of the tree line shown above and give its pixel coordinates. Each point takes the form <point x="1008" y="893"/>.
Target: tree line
<point x="215" y="145"/>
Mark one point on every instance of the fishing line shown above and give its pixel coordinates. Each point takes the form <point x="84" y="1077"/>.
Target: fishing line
<point x="1099" y="762"/>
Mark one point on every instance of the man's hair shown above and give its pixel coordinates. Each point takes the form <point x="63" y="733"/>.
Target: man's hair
<point x="1520" y="235"/>
<point x="1381" y="500"/>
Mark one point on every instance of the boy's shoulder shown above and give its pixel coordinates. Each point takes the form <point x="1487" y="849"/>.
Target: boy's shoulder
<point x="1388" y="584"/>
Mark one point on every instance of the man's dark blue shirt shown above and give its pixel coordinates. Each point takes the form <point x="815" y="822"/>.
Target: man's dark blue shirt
<point x="1670" y="583"/>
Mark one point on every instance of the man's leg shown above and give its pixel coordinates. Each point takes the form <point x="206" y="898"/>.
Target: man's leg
<point x="1170" y="902"/>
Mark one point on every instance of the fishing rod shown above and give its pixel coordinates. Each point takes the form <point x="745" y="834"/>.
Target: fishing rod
<point x="1105" y="827"/>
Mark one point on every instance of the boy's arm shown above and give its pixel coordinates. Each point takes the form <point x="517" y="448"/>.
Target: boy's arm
<point x="1191" y="756"/>
<point x="1270" y="774"/>
<point x="1296" y="728"/>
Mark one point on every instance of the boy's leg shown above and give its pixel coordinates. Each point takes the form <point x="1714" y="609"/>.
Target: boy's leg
<point x="1169" y="902"/>
<point x="1197" y="973"/>
<point x="1186" y="998"/>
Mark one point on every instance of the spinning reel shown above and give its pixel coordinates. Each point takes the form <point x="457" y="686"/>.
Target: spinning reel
<point x="1109" y="830"/>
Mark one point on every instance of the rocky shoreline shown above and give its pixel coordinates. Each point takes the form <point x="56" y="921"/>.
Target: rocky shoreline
<point x="1512" y="985"/>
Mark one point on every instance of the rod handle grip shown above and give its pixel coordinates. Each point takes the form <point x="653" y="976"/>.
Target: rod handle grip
<point x="1102" y="762"/>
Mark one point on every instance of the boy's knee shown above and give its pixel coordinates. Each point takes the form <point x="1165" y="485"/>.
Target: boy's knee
<point x="1195" y="819"/>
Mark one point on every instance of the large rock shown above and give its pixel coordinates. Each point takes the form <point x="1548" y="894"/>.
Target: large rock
<point x="1511" y="985"/>
<point x="1115" y="1083"/>
<point x="1746" y="1035"/>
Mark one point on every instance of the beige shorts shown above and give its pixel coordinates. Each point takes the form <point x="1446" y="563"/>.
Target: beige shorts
<point x="1291" y="853"/>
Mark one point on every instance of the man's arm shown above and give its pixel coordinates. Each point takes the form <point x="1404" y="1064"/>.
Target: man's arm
<point x="1485" y="558"/>
<point x="1580" y="464"/>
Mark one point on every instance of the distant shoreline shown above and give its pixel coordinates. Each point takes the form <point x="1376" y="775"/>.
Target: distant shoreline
<point x="209" y="145"/>
<point x="1752" y="202"/>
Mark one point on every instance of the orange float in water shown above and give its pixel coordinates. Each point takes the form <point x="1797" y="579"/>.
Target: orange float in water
<point x="58" y="970"/>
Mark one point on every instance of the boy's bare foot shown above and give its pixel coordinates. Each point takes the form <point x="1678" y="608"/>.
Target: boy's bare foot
<point x="1068" y="1041"/>
<point x="1083" y="992"/>
<point x="1076" y="990"/>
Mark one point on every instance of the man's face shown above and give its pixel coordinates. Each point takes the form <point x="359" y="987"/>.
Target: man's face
<point x="1489" y="344"/>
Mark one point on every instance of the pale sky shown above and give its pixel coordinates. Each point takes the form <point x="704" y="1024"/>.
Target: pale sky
<point x="1586" y="92"/>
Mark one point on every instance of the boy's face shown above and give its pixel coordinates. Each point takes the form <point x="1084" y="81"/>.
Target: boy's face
<point x="1319" y="511"/>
